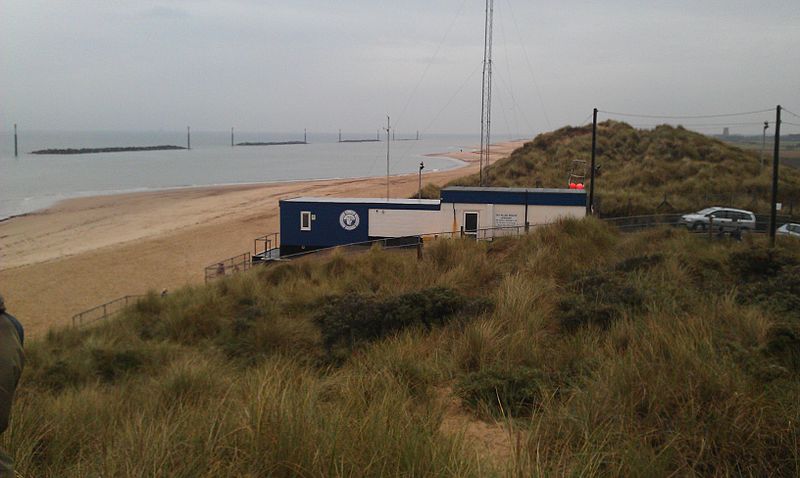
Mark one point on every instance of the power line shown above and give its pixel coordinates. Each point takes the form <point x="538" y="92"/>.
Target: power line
<point x="752" y="123"/>
<point x="793" y="114"/>
<point x="787" y="122"/>
<point x="530" y="68"/>
<point x="510" y="84"/>
<point x="724" y="115"/>
<point x="505" y="118"/>
<point x="586" y="120"/>
<point x="515" y="105"/>
<point x="430" y="62"/>
<point x="446" y="105"/>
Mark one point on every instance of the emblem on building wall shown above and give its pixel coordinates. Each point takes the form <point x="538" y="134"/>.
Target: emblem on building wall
<point x="349" y="220"/>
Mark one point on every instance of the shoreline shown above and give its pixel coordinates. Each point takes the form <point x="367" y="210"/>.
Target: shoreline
<point x="85" y="251"/>
<point x="458" y="164"/>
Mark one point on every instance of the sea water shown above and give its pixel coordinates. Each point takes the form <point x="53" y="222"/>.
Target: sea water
<point x="30" y="182"/>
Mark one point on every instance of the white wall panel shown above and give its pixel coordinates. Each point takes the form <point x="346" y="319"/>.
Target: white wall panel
<point x="404" y="222"/>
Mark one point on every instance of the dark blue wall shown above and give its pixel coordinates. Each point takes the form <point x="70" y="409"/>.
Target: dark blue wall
<point x="325" y="229"/>
<point x="515" y="196"/>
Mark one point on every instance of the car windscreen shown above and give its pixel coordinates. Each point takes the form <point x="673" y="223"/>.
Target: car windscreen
<point x="706" y="210"/>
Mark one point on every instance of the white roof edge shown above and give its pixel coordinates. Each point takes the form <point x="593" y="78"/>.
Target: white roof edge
<point x="503" y="189"/>
<point x="333" y="199"/>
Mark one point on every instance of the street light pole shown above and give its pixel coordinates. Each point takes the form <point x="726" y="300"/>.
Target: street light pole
<point x="388" y="141"/>
<point x="419" y="191"/>
<point x="764" y="143"/>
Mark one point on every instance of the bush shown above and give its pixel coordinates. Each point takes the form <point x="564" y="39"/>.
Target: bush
<point x="350" y="319"/>
<point x="512" y="392"/>
<point x="597" y="299"/>
<point x="112" y="364"/>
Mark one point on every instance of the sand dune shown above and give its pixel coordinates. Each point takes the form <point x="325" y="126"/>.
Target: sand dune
<point x="85" y="251"/>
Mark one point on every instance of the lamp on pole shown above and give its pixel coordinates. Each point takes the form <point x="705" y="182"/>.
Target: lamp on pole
<point x="419" y="191"/>
<point x="764" y="143"/>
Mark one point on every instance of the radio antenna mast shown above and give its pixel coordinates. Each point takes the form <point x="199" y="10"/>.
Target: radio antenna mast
<point x="486" y="96"/>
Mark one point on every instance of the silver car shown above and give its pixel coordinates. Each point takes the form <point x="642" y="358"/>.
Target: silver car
<point x="789" y="230"/>
<point x="722" y="219"/>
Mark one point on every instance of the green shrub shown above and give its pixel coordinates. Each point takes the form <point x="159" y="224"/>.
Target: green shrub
<point x="503" y="392"/>
<point x="58" y="376"/>
<point x="597" y="299"/>
<point x="350" y="319"/>
<point x="110" y="365"/>
<point x="783" y="345"/>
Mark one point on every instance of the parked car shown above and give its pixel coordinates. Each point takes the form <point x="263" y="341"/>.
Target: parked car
<point x="789" y="229"/>
<point x="721" y="219"/>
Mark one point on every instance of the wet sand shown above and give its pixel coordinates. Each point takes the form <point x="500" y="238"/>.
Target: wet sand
<point x="86" y="251"/>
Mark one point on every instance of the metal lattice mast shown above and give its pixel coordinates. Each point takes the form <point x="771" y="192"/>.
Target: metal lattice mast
<point x="486" y="96"/>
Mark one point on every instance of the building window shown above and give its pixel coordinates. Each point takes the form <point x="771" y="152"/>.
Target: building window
<point x="305" y="221"/>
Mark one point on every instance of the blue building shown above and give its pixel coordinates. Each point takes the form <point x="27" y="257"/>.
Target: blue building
<point x="308" y="223"/>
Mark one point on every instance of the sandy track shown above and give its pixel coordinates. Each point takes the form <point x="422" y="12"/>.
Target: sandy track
<point x="85" y="251"/>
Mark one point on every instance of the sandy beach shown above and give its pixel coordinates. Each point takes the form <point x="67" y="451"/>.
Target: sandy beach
<point x="86" y="251"/>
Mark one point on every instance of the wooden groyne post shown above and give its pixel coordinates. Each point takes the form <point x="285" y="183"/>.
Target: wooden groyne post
<point x="16" y="151"/>
<point x="188" y="138"/>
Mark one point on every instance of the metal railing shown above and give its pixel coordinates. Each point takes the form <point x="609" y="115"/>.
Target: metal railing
<point x="104" y="311"/>
<point x="229" y="266"/>
<point x="271" y="247"/>
<point x="418" y="240"/>
<point x="267" y="247"/>
<point x="635" y="223"/>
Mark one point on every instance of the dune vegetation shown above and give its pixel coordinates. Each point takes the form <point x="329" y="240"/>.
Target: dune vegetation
<point x="573" y="350"/>
<point x="640" y="168"/>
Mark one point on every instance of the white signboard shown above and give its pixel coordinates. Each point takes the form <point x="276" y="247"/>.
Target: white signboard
<point x="505" y="219"/>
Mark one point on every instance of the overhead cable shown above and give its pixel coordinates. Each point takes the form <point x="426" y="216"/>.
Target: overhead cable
<point x="724" y="115"/>
<point x="788" y="111"/>
<point x="530" y="68"/>
<point x="400" y="117"/>
<point x="458" y="90"/>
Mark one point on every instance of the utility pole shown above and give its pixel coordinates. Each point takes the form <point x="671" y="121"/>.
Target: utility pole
<point x="231" y="136"/>
<point x="305" y="136"/>
<point x="188" y="138"/>
<point x="340" y="136"/>
<point x="764" y="143"/>
<point x="590" y="206"/>
<point x="388" y="129"/>
<point x="16" y="152"/>
<point x="775" y="162"/>
<point x="486" y="96"/>
<point x="378" y="136"/>
<point x="419" y="193"/>
<point x="417" y="135"/>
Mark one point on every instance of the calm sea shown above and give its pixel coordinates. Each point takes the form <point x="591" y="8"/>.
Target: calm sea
<point x="30" y="182"/>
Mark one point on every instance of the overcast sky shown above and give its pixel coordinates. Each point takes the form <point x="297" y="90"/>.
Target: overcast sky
<point x="323" y="65"/>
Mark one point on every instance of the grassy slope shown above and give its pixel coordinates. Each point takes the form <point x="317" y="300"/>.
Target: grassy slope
<point x="646" y="354"/>
<point x="640" y="166"/>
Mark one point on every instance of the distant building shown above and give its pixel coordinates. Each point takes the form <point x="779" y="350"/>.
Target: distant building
<point x="726" y="131"/>
<point x="308" y="223"/>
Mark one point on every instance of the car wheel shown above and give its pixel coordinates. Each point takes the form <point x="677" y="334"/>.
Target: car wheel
<point x="698" y="226"/>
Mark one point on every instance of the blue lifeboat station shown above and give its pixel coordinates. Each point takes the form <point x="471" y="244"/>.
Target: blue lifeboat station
<point x="310" y="223"/>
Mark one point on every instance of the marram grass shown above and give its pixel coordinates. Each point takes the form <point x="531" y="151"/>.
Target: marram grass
<point x="593" y="354"/>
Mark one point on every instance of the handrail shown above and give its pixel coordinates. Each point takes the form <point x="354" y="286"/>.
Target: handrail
<point x="231" y="265"/>
<point x="271" y="242"/>
<point x="489" y="233"/>
<point x="108" y="309"/>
